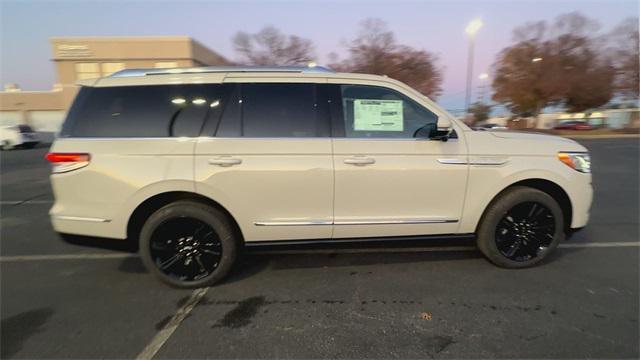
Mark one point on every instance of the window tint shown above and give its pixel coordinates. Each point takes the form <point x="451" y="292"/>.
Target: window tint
<point x="141" y="111"/>
<point x="377" y="112"/>
<point x="275" y="110"/>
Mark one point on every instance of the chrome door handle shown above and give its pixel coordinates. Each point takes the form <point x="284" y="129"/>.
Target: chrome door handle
<point x="225" y="161"/>
<point x="359" y="161"/>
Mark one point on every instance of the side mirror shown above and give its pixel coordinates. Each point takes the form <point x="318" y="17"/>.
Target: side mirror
<point x="432" y="132"/>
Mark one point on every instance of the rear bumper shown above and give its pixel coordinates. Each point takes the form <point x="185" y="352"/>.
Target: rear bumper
<point x="86" y="226"/>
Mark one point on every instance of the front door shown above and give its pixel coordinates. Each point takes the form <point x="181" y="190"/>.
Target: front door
<point x="389" y="179"/>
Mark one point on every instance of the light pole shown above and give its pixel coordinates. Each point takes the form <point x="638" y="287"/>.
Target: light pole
<point x="484" y="79"/>
<point x="471" y="30"/>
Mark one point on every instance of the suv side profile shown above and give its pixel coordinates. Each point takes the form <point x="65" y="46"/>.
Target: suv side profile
<point x="194" y="163"/>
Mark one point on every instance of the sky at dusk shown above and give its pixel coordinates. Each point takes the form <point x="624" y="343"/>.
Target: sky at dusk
<point x="436" y="26"/>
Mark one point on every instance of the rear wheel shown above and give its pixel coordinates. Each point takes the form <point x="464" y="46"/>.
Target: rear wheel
<point x="188" y="244"/>
<point x="521" y="228"/>
<point x="6" y="145"/>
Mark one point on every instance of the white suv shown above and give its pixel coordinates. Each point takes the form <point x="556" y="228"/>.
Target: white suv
<point x="194" y="163"/>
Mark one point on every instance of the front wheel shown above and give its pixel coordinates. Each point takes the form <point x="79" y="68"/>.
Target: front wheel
<point x="187" y="244"/>
<point x="521" y="228"/>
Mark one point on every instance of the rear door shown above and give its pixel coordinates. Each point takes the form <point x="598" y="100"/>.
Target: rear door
<point x="267" y="160"/>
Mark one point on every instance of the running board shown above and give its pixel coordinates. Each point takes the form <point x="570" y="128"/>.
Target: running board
<point x="353" y="241"/>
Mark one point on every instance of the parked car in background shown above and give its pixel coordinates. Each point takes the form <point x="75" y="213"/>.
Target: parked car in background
<point x="194" y="164"/>
<point x="15" y="136"/>
<point x="491" y="127"/>
<point x="574" y="125"/>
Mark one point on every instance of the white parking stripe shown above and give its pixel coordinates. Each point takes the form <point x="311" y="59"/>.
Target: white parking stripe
<point x="163" y="335"/>
<point x="600" y="244"/>
<point x="319" y="251"/>
<point x="65" y="257"/>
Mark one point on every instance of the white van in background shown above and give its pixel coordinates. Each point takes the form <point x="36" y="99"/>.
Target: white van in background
<point x="16" y="136"/>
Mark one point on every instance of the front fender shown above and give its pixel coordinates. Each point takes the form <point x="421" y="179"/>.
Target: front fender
<point x="486" y="182"/>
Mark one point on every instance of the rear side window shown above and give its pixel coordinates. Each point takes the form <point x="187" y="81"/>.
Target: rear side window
<point x="141" y="111"/>
<point x="275" y="110"/>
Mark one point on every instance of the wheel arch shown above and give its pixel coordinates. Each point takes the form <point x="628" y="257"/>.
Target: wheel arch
<point x="155" y="202"/>
<point x="547" y="186"/>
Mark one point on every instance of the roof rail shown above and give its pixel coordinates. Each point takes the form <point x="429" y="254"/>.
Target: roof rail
<point x="217" y="69"/>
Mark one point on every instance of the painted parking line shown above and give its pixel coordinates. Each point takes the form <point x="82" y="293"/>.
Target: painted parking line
<point x="19" y="258"/>
<point x="165" y="333"/>
<point x="65" y="257"/>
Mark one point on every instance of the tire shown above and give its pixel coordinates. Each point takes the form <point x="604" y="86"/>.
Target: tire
<point x="179" y="243"/>
<point x="520" y="228"/>
<point x="6" y="145"/>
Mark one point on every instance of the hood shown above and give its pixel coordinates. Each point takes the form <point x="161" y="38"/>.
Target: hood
<point x="519" y="135"/>
<point x="524" y="143"/>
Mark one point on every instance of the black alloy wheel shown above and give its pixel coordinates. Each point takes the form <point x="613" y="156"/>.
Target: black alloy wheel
<point x="525" y="231"/>
<point x="186" y="249"/>
<point x="189" y="244"/>
<point x="520" y="228"/>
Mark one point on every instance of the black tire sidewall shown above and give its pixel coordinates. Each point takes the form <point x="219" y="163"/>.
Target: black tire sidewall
<point x="207" y="214"/>
<point x="498" y="209"/>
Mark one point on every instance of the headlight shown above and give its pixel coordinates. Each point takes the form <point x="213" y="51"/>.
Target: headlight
<point x="578" y="161"/>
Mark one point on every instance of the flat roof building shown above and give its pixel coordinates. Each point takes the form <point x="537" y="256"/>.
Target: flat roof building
<point x="78" y="58"/>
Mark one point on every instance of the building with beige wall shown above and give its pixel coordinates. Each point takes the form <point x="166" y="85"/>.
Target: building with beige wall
<point x="78" y="58"/>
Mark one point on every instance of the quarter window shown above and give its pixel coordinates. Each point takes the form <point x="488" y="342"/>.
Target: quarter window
<point x="378" y="112"/>
<point x="141" y="111"/>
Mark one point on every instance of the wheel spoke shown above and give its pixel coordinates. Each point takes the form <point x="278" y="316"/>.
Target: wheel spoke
<point x="170" y="261"/>
<point x="513" y="249"/>
<point x="200" y="264"/>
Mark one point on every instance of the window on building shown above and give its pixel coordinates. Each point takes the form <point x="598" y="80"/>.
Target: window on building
<point x="165" y="64"/>
<point x="274" y="110"/>
<point x="87" y="71"/>
<point x="141" y="111"/>
<point x="111" y="67"/>
<point x="378" y="112"/>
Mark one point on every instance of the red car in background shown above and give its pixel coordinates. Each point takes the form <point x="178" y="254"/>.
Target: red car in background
<point x="574" y="125"/>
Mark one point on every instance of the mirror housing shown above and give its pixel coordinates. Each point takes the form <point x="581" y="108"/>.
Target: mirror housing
<point x="442" y="130"/>
<point x="433" y="132"/>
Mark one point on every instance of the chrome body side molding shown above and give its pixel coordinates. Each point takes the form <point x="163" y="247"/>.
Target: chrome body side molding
<point x="80" y="218"/>
<point x="356" y="222"/>
<point x="475" y="160"/>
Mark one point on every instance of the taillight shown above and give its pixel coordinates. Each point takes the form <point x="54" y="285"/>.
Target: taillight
<point x="64" y="162"/>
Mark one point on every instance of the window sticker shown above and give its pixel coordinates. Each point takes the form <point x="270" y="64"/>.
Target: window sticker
<point x="377" y="115"/>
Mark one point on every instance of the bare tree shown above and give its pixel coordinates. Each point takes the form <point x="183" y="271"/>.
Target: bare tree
<point x="553" y="64"/>
<point x="271" y="47"/>
<point x="375" y="51"/>
<point x="624" y="51"/>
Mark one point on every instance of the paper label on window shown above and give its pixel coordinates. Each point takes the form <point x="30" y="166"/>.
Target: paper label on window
<point x="377" y="115"/>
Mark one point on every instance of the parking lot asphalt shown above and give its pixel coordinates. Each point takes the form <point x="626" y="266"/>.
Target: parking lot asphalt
<point x="390" y="300"/>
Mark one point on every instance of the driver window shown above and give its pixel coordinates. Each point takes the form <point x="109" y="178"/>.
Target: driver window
<point x="378" y="112"/>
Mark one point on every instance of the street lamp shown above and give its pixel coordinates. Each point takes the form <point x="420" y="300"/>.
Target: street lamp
<point x="471" y="30"/>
